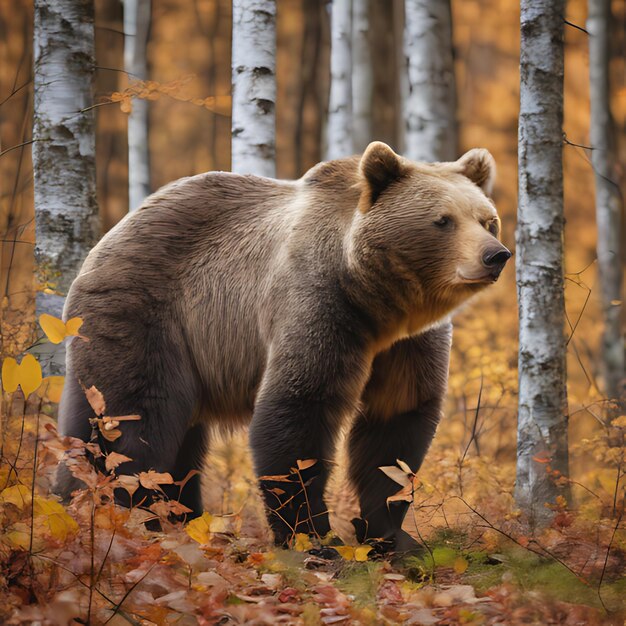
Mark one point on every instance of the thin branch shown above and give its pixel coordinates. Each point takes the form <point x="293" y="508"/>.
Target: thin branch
<point x="580" y="28"/>
<point x="28" y="82"/>
<point x="20" y="145"/>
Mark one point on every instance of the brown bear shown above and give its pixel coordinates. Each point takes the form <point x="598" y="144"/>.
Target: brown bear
<point x="290" y="305"/>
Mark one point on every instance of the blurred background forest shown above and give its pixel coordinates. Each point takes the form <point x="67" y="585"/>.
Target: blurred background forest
<point x="189" y="47"/>
<point x="190" y="41"/>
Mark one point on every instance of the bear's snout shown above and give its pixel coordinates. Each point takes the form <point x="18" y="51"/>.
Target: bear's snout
<point x="495" y="259"/>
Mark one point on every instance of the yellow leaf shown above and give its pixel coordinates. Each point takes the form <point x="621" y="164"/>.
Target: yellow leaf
<point x="30" y="374"/>
<point x="55" y="518"/>
<point x="361" y="552"/>
<point x="27" y="374"/>
<point x="346" y="552"/>
<point x="19" y="537"/>
<point x="19" y="495"/>
<point x="53" y="327"/>
<point x="218" y="525"/>
<point x="460" y="565"/>
<point x="72" y="326"/>
<point x="52" y="388"/>
<point x="199" y="529"/>
<point x="619" y="422"/>
<point x="10" y="371"/>
<point x="302" y="542"/>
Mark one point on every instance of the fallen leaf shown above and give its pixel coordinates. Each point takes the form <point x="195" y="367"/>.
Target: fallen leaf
<point x="460" y="565"/>
<point x="19" y="495"/>
<point x="361" y="553"/>
<point x="199" y="529"/>
<point x="59" y="524"/>
<point x="346" y="552"/>
<point x="302" y="542"/>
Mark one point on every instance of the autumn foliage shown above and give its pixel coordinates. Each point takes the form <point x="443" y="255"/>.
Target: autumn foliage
<point x="92" y="561"/>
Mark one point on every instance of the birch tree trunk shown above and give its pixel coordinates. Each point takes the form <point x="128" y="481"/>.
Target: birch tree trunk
<point x="542" y="410"/>
<point x="430" y="109"/>
<point x="339" y="128"/>
<point x="608" y="198"/>
<point x="254" y="87"/>
<point x="362" y="76"/>
<point x="66" y="211"/>
<point x="136" y="31"/>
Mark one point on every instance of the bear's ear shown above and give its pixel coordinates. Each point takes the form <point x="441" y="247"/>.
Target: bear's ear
<point x="478" y="165"/>
<point x="378" y="168"/>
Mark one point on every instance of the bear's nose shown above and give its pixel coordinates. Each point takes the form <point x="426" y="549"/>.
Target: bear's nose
<point x="496" y="259"/>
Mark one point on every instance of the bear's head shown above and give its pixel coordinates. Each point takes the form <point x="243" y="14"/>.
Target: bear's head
<point x="431" y="226"/>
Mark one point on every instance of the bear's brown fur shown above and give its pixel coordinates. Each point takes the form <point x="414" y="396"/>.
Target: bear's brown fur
<point x="294" y="305"/>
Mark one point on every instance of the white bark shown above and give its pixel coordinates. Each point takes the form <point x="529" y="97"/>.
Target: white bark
<point x="254" y="87"/>
<point x="430" y="110"/>
<point x="136" y="31"/>
<point x="608" y="199"/>
<point x="362" y="76"/>
<point x="339" y="129"/>
<point x="66" y="212"/>
<point x="542" y="410"/>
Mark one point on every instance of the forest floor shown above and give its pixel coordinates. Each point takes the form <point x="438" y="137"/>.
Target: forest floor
<point x="93" y="562"/>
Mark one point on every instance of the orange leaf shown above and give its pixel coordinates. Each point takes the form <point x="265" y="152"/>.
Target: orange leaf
<point x="114" y="459"/>
<point x="96" y="400"/>
<point x="152" y="479"/>
<point x="302" y="465"/>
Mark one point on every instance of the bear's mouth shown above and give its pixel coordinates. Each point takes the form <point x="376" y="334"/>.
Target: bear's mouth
<point x="483" y="279"/>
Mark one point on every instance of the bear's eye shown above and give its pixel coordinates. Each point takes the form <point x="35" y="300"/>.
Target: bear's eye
<point x="444" y="221"/>
<point x="492" y="227"/>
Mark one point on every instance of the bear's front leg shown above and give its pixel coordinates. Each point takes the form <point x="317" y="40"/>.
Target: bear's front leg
<point x="401" y="408"/>
<point x="305" y="394"/>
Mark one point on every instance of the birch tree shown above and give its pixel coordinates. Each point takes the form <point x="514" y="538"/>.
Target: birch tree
<point x="339" y="128"/>
<point x="254" y="87"/>
<point x="608" y="198"/>
<point x="66" y="212"/>
<point x="430" y="109"/>
<point x="362" y="76"/>
<point x="542" y="410"/>
<point x="136" y="30"/>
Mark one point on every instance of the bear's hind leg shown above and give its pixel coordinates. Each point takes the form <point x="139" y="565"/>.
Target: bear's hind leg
<point x="74" y="415"/>
<point x="191" y="457"/>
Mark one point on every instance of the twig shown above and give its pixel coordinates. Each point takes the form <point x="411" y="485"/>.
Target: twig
<point x="473" y="434"/>
<point x="119" y="604"/>
<point x="20" y="145"/>
<point x="32" y="488"/>
<point x="580" y="28"/>
<point x="606" y="559"/>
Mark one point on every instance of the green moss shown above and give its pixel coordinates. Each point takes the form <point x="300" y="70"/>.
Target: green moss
<point x="361" y="581"/>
